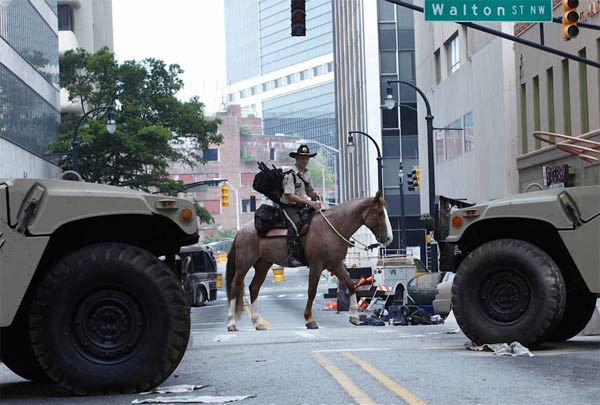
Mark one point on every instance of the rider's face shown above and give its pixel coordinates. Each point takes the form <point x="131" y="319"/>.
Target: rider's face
<point x="302" y="162"/>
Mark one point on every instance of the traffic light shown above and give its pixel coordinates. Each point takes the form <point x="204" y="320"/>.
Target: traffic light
<point x="298" y="18"/>
<point x="417" y="178"/>
<point x="252" y="203"/>
<point x="570" y="16"/>
<point x="414" y="179"/>
<point x="224" y="195"/>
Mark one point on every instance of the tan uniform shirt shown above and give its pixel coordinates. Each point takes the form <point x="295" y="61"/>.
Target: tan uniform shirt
<point x="298" y="187"/>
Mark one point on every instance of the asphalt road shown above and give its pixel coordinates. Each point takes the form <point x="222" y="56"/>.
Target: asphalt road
<point x="344" y="364"/>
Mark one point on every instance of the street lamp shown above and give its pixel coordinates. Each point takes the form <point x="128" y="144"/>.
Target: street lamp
<point x="351" y="147"/>
<point x="111" y="127"/>
<point x="390" y="103"/>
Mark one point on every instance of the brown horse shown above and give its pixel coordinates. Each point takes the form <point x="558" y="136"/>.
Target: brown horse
<point x="325" y="247"/>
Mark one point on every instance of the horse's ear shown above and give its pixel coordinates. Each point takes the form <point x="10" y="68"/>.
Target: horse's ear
<point x="377" y="195"/>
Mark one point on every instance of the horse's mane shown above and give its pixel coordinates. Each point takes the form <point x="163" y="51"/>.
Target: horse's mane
<point x="351" y="203"/>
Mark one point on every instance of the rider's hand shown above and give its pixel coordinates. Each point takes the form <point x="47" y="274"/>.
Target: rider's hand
<point x="315" y="204"/>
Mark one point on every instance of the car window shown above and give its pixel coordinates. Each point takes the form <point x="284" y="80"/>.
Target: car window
<point x="426" y="280"/>
<point x="420" y="266"/>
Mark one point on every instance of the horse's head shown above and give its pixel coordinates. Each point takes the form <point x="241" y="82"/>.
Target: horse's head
<point x="376" y="219"/>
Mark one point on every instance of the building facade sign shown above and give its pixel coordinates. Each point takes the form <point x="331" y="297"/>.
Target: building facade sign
<point x="488" y="10"/>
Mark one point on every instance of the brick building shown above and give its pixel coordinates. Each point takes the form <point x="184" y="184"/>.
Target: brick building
<point x="235" y="160"/>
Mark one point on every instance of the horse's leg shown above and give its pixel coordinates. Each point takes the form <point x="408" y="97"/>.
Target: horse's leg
<point x="237" y="293"/>
<point x="261" y="268"/>
<point x="342" y="274"/>
<point x="313" y="280"/>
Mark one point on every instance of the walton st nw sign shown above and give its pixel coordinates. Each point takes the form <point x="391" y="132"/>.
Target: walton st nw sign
<point x="488" y="10"/>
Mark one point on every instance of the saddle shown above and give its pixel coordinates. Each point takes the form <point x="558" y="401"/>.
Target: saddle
<point x="270" y="223"/>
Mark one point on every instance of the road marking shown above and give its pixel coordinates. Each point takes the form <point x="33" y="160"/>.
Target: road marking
<point x="390" y="384"/>
<point x="281" y="296"/>
<point x="359" y="396"/>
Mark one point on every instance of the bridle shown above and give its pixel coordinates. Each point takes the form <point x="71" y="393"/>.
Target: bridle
<point x="353" y="242"/>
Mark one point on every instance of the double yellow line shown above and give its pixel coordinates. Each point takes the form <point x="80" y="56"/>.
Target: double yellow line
<point x="360" y="396"/>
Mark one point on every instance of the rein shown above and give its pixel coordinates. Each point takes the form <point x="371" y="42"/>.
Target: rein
<point x="351" y="243"/>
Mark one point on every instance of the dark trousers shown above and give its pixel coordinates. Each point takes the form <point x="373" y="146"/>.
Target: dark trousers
<point x="293" y="238"/>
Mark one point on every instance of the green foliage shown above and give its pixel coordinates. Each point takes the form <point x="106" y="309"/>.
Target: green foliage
<point x="247" y="158"/>
<point x="150" y="125"/>
<point x="316" y="172"/>
<point x="244" y="130"/>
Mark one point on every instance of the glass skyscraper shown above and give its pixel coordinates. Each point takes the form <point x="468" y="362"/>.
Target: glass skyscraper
<point x="288" y="81"/>
<point x="29" y="95"/>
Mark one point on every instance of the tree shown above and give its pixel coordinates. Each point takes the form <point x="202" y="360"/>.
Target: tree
<point x="152" y="125"/>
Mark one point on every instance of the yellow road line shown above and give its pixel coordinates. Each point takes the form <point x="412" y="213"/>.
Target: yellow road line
<point x="390" y="384"/>
<point x="359" y="396"/>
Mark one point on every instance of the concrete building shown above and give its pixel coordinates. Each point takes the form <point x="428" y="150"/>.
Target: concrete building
<point x="235" y="160"/>
<point x="29" y="96"/>
<point x="558" y="95"/>
<point x="287" y="81"/>
<point x="374" y="43"/>
<point x="83" y="24"/>
<point x="468" y="77"/>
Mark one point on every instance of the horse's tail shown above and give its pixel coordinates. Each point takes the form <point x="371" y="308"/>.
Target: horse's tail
<point x="229" y="275"/>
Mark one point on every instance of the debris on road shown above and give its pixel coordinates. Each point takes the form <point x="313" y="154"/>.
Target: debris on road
<point x="192" y="399"/>
<point x="501" y="349"/>
<point x="174" y="389"/>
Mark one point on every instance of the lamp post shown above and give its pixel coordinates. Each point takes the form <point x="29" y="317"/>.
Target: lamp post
<point x="402" y="227"/>
<point x="111" y="127"/>
<point x="390" y="103"/>
<point x="351" y="147"/>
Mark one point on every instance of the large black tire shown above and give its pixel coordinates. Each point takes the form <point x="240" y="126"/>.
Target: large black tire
<point x="109" y="318"/>
<point x="580" y="305"/>
<point x="201" y="296"/>
<point x="16" y="350"/>
<point x="508" y="290"/>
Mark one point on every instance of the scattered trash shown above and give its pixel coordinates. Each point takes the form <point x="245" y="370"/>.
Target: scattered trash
<point x="174" y="389"/>
<point x="191" y="399"/>
<point x="453" y="331"/>
<point x="501" y="349"/>
<point x="331" y="305"/>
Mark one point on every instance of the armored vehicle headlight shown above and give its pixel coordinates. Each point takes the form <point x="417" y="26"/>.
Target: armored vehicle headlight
<point x="166" y="205"/>
<point x="457" y="221"/>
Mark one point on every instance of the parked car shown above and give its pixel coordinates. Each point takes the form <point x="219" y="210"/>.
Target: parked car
<point x="442" y="304"/>
<point x="200" y="279"/>
<point x="421" y="289"/>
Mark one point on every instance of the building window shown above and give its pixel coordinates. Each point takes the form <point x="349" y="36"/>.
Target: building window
<point x="277" y="83"/>
<point x="242" y="93"/>
<point x="304" y="75"/>
<point x="468" y="131"/>
<point x="583" y="94"/>
<point x="536" y="109"/>
<point x="453" y="53"/>
<point x="266" y="87"/>
<point x="566" y="96"/>
<point x="211" y="155"/>
<point x="231" y="97"/>
<point x="550" y="101"/>
<point x="437" y="66"/>
<point x="524" y="145"/>
<point x="253" y="90"/>
<point x="317" y="71"/>
<point x="290" y="79"/>
<point x="65" y="18"/>
<point x="330" y="67"/>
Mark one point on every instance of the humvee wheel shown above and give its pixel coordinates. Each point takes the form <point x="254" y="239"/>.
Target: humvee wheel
<point x="16" y="351"/>
<point x="579" y="309"/>
<point x="507" y="290"/>
<point x="109" y="318"/>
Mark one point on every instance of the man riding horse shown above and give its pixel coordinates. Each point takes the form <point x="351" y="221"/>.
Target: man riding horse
<point x="297" y="191"/>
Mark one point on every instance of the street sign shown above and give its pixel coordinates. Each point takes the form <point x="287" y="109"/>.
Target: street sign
<point x="488" y="10"/>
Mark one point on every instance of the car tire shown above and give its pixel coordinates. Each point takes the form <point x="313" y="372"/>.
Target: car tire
<point x="16" y="350"/>
<point x="109" y="318"/>
<point x="201" y="296"/>
<point x="580" y="305"/>
<point x="508" y="290"/>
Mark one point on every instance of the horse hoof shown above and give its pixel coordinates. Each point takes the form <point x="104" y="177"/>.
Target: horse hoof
<point x="260" y="326"/>
<point x="312" y="325"/>
<point x="232" y="328"/>
<point x="355" y="321"/>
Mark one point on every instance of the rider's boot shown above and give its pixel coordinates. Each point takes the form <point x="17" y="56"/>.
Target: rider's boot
<point x="293" y="251"/>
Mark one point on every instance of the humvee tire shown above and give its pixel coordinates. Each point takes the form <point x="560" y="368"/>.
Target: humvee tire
<point x="16" y="351"/>
<point x="508" y="290"/>
<point x="109" y="318"/>
<point x="580" y="305"/>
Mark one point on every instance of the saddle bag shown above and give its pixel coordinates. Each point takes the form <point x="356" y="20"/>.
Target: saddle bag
<point x="266" y="218"/>
<point x="269" y="182"/>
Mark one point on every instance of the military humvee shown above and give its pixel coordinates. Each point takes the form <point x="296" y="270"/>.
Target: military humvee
<point x="527" y="266"/>
<point x="84" y="299"/>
